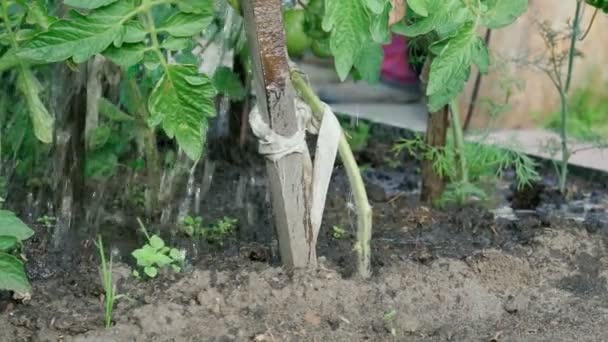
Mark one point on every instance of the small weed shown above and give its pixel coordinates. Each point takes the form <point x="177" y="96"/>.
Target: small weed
<point x="108" y="283"/>
<point x="219" y="231"/>
<point x="486" y="164"/>
<point x="389" y="319"/>
<point x="192" y="226"/>
<point x="338" y="232"/>
<point x="215" y="233"/>
<point x="155" y="255"/>
<point x="47" y="221"/>
<point x="357" y="134"/>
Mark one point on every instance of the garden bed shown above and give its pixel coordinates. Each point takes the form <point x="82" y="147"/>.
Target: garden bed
<point x="458" y="274"/>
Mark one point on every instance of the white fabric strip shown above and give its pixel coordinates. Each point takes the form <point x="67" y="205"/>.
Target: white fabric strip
<point x="274" y="147"/>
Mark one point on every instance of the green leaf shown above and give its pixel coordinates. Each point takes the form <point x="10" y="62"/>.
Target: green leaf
<point x="196" y="6"/>
<point x="101" y="164"/>
<point x="127" y="55"/>
<point x="8" y="243"/>
<point x="376" y="6"/>
<point x="481" y="55"/>
<point x="348" y="24"/>
<point x="451" y="69"/>
<point x="134" y="33"/>
<point x="99" y="137"/>
<point x="80" y="37"/>
<point x="12" y="274"/>
<point x="369" y="62"/>
<point x="151" y="271"/>
<point x="8" y="60"/>
<point x="162" y="259"/>
<point x="419" y="6"/>
<point x="441" y="14"/>
<point x="112" y="112"/>
<point x="501" y="13"/>
<point x="88" y="4"/>
<point x="183" y="101"/>
<point x="380" y="29"/>
<point x="42" y="121"/>
<point x="176" y="44"/>
<point x="177" y="255"/>
<point x="11" y="225"/>
<point x="156" y="242"/>
<point x="37" y="14"/>
<point x="227" y="82"/>
<point x="185" y="24"/>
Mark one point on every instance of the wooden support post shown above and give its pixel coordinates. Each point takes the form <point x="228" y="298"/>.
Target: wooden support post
<point x="289" y="177"/>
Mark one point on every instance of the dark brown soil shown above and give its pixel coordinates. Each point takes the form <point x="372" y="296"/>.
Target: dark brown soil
<point x="453" y="275"/>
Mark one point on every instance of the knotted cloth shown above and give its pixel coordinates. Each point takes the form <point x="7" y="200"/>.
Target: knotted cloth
<point x="274" y="147"/>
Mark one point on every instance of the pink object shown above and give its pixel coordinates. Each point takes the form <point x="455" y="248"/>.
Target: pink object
<point x="396" y="67"/>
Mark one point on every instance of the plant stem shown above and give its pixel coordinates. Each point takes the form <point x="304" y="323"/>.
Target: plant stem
<point x="150" y="151"/>
<point x="459" y="143"/>
<point x="364" y="210"/>
<point x="563" y="174"/>
<point x="151" y="28"/>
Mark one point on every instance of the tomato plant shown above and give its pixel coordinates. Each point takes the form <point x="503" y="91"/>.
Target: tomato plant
<point x="165" y="88"/>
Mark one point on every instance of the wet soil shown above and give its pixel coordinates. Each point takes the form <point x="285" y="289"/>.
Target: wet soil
<point x="459" y="274"/>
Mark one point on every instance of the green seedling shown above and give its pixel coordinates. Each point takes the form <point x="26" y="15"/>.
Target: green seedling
<point x="108" y="283"/>
<point x="485" y="164"/>
<point x="389" y="319"/>
<point x="192" y="226"/>
<point x="221" y="230"/>
<point x="155" y="255"/>
<point x="214" y="234"/>
<point x="338" y="232"/>
<point x="47" y="221"/>
<point x="358" y="135"/>
<point x="12" y="270"/>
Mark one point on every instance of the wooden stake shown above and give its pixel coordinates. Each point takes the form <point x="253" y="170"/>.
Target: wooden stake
<point x="289" y="177"/>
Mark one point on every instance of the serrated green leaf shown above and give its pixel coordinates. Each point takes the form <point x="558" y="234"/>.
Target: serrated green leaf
<point x="12" y="274"/>
<point x="88" y="4"/>
<point x="348" y="24"/>
<point x="42" y="121"/>
<point x="8" y="243"/>
<point x="183" y="101"/>
<point x="501" y="13"/>
<point x="186" y="24"/>
<point x="441" y="13"/>
<point x="419" y="6"/>
<point x="369" y="62"/>
<point x="227" y="82"/>
<point x="80" y="37"/>
<point x="451" y="69"/>
<point x="134" y="33"/>
<point x="481" y="55"/>
<point x="380" y="30"/>
<point x="156" y="242"/>
<point x="127" y="55"/>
